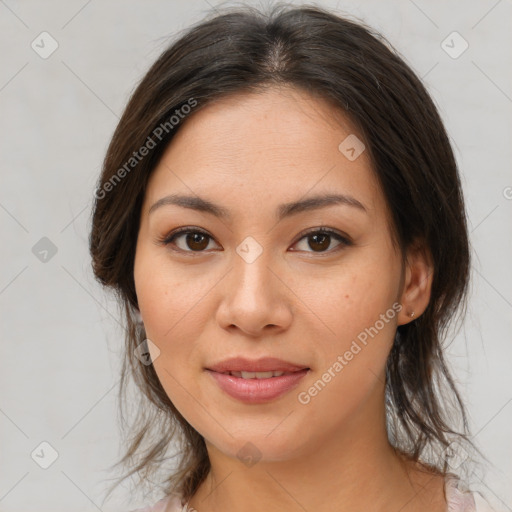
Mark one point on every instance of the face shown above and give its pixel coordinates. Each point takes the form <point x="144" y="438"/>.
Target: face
<point x="317" y="285"/>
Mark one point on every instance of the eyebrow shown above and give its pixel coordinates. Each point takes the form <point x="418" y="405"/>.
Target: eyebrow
<point x="283" y="210"/>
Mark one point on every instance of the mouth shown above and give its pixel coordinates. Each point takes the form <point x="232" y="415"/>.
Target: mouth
<point x="258" y="375"/>
<point x="257" y="387"/>
<point x="263" y="368"/>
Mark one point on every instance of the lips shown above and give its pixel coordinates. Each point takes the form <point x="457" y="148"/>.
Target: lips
<point x="237" y="365"/>
<point x="257" y="375"/>
<point x="254" y="390"/>
<point x="257" y="381"/>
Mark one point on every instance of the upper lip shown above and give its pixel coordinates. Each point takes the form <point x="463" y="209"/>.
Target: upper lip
<point x="265" y="364"/>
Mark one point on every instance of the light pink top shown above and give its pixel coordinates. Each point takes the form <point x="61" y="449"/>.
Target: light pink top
<point x="457" y="500"/>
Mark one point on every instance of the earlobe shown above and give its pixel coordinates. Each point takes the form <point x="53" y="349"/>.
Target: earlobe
<point x="419" y="273"/>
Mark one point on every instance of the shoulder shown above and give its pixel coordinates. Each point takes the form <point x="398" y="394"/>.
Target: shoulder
<point x="167" y="504"/>
<point x="445" y="492"/>
<point x="458" y="498"/>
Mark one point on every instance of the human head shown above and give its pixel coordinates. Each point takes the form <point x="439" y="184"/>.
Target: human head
<point x="352" y="69"/>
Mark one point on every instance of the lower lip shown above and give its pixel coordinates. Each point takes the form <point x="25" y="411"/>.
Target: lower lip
<point x="257" y="391"/>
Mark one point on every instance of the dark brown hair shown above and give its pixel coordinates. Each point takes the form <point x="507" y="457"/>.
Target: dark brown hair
<point x="355" y="69"/>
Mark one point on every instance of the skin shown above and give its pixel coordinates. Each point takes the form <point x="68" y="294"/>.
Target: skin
<point x="250" y="153"/>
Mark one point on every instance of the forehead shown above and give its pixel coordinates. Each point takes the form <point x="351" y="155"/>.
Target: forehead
<point x="275" y="144"/>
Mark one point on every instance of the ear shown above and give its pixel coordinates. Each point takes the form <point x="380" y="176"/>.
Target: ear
<point x="419" y="273"/>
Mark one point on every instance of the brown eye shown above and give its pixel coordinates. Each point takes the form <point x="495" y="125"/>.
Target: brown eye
<point x="189" y="240"/>
<point x="196" y="241"/>
<point x="321" y="240"/>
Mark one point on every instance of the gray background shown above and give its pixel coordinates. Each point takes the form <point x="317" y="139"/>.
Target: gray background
<point x="61" y="342"/>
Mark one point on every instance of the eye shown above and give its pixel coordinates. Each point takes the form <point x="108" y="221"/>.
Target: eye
<point x="320" y="240"/>
<point x="191" y="240"/>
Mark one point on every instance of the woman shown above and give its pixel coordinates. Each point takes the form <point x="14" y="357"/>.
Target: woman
<point x="281" y="215"/>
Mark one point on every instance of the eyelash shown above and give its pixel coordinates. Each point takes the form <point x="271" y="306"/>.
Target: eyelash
<point x="343" y="239"/>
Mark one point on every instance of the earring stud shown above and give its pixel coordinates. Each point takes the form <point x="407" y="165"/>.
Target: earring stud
<point x="412" y="314"/>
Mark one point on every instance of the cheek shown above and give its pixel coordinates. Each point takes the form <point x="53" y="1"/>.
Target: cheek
<point x="174" y="308"/>
<point x="351" y="368"/>
<point x="357" y="312"/>
<point x="170" y="299"/>
<point x="171" y="323"/>
<point x="353" y="298"/>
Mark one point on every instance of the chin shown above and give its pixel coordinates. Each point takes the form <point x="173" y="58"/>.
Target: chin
<point x="251" y="449"/>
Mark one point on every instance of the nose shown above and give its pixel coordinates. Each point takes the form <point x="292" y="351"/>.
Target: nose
<point x="255" y="298"/>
